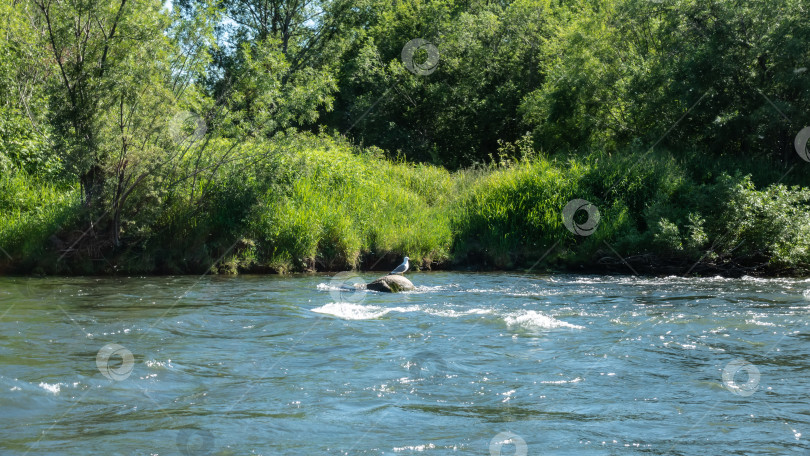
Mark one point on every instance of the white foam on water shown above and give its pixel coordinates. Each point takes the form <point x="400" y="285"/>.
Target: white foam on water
<point x="429" y="446"/>
<point x="807" y="295"/>
<point x="526" y="319"/>
<point x="455" y="314"/>
<point x="759" y="323"/>
<point x="483" y="290"/>
<point x="349" y="311"/>
<point x="360" y="286"/>
<point x="153" y="363"/>
<point x="428" y="289"/>
<point x="52" y="388"/>
<point x="533" y="319"/>
<point x="670" y="280"/>
<point x="340" y="287"/>
<point x="561" y="382"/>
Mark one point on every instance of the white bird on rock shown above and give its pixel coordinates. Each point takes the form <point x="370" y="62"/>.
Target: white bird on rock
<point x="401" y="268"/>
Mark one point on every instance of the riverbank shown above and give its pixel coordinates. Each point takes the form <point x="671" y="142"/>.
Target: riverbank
<point x="315" y="203"/>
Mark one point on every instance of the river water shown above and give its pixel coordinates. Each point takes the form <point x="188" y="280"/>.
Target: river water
<point x="472" y="364"/>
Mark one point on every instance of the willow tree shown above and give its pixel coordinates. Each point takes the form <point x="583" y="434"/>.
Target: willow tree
<point x="306" y="39"/>
<point x="117" y="66"/>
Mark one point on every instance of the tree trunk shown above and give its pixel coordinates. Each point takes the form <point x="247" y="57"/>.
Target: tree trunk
<point x="92" y="182"/>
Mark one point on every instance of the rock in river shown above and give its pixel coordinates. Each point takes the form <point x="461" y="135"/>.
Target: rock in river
<point x="391" y="284"/>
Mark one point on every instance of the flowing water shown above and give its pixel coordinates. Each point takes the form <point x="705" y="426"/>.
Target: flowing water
<point x="473" y="364"/>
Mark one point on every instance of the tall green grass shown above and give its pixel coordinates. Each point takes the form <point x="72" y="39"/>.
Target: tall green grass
<point x="31" y="211"/>
<point x="341" y="206"/>
<point x="313" y="203"/>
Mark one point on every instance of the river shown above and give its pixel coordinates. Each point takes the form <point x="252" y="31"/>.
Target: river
<point x="468" y="364"/>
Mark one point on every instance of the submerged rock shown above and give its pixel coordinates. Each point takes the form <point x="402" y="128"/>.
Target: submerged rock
<point x="391" y="284"/>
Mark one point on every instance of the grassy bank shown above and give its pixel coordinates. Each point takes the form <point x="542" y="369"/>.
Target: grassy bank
<point x="305" y="203"/>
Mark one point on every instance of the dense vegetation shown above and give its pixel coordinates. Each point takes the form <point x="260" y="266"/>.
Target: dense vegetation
<point x="298" y="135"/>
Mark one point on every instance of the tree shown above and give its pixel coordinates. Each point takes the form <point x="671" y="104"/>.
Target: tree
<point x="308" y="35"/>
<point x="24" y="132"/>
<point x="490" y="55"/>
<point x="723" y="76"/>
<point x="118" y="74"/>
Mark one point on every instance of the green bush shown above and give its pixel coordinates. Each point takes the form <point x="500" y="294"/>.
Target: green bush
<point x="772" y="224"/>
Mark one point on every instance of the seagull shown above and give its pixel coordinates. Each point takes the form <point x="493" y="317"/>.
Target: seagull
<point x="401" y="268"/>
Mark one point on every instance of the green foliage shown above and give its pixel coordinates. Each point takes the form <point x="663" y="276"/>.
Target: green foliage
<point x="24" y="132"/>
<point x="772" y="224"/>
<point x="303" y="202"/>
<point x="668" y="236"/>
<point x="267" y="96"/>
<point x="343" y="205"/>
<point x="171" y="140"/>
<point x="649" y="205"/>
<point x="727" y="74"/>
<point x="514" y="211"/>
<point x="31" y="211"/>
<point x="489" y="56"/>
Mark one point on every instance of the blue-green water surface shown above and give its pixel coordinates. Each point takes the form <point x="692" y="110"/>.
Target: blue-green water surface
<point x="468" y="364"/>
